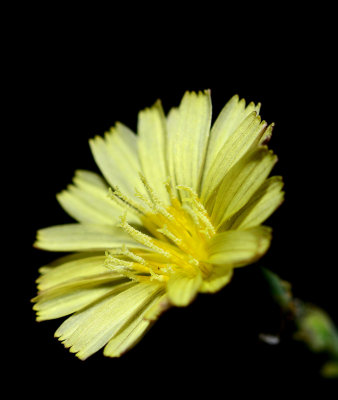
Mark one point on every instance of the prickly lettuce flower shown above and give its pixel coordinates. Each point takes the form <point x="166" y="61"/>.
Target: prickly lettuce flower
<point x="179" y="208"/>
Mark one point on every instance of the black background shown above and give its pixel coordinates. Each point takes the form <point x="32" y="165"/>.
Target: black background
<point x="74" y="88"/>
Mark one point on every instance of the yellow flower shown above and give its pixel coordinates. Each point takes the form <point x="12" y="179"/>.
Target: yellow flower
<point x="184" y="209"/>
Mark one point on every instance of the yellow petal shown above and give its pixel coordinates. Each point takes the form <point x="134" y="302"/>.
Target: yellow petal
<point x="75" y="266"/>
<point x="132" y="332"/>
<point x="151" y="145"/>
<point x="183" y="288"/>
<point x="117" y="157"/>
<point x="128" y="338"/>
<point x="88" y="201"/>
<point x="238" y="248"/>
<point x="70" y="297"/>
<point x="161" y="305"/>
<point x="82" y="237"/>
<point x="244" y="138"/>
<point x="90" y="182"/>
<point x="188" y="131"/>
<point x="217" y="280"/>
<point x="240" y="184"/>
<point x="90" y="329"/>
<point x="261" y="205"/>
<point x="229" y="119"/>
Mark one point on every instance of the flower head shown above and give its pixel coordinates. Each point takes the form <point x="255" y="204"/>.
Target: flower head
<point x="179" y="208"/>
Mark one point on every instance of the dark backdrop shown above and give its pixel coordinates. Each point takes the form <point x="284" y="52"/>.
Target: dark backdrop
<point x="70" y="94"/>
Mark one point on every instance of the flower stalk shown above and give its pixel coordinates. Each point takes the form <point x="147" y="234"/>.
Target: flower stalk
<point x="310" y="324"/>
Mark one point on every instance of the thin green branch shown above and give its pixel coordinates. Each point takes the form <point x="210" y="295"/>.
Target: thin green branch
<point x="312" y="325"/>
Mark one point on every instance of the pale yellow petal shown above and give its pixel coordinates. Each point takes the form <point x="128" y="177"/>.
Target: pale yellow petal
<point x="261" y="205"/>
<point x="72" y="296"/>
<point x="82" y="237"/>
<point x="132" y="332"/>
<point x="245" y="137"/>
<point x="240" y="183"/>
<point x="75" y="266"/>
<point x="161" y="305"/>
<point x="90" y="329"/>
<point x="183" y="288"/>
<point x="188" y="132"/>
<point x="152" y="133"/>
<point x="128" y="338"/>
<point x="231" y="116"/>
<point x="239" y="248"/>
<point x="265" y="138"/>
<point x="218" y="278"/>
<point x="90" y="181"/>
<point x="117" y="157"/>
<point x="172" y="122"/>
<point x="88" y="201"/>
<point x="71" y="330"/>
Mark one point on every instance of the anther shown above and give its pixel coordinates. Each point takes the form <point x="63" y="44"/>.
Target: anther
<point x="200" y="211"/>
<point x="156" y="202"/>
<point x="141" y="237"/>
<point x="169" y="235"/>
<point x="113" y="262"/>
<point x="125" y="201"/>
<point x="133" y="256"/>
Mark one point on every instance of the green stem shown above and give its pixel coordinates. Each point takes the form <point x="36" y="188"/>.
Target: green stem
<point x="312" y="325"/>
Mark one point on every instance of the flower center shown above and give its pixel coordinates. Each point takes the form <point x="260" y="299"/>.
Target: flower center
<point x="176" y="238"/>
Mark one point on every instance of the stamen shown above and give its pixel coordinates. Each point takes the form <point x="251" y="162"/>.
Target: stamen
<point x="169" y="268"/>
<point x="133" y="256"/>
<point x="157" y="277"/>
<point x="169" y="235"/>
<point x="117" y="252"/>
<point x="169" y="189"/>
<point x="176" y="239"/>
<point x="141" y="237"/>
<point x="126" y="268"/>
<point x="193" y="261"/>
<point x="112" y="262"/>
<point x="192" y="214"/>
<point x="124" y="200"/>
<point x="156" y="202"/>
<point x="120" y="267"/>
<point x="199" y="208"/>
<point x="146" y="201"/>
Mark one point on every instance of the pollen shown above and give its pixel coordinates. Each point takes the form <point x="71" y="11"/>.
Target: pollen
<point x="177" y="239"/>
